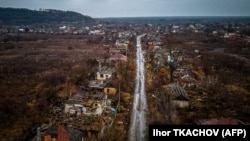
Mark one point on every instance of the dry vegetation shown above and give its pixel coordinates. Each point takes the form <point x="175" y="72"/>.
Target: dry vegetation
<point x="223" y="89"/>
<point x="39" y="70"/>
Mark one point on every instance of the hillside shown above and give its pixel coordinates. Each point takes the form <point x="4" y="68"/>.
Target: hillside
<point x="16" y="16"/>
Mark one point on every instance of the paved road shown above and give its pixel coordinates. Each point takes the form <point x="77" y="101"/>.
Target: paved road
<point x="138" y="117"/>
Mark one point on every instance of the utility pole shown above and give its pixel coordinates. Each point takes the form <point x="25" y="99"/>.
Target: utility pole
<point x="119" y="97"/>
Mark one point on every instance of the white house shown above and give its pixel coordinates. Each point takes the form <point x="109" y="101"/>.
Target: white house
<point x="104" y="73"/>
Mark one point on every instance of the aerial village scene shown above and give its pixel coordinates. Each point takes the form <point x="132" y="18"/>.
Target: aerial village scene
<point x="99" y="79"/>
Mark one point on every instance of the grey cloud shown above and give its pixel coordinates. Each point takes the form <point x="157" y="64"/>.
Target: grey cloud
<point x="111" y="8"/>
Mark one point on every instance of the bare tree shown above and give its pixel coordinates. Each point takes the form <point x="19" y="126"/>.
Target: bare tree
<point x="215" y="89"/>
<point x="164" y="104"/>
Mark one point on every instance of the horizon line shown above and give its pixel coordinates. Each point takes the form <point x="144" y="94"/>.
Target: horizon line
<point x="170" y="16"/>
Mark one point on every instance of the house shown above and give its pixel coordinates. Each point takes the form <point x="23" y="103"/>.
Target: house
<point x="96" y="32"/>
<point x="104" y="73"/>
<point x="86" y="103"/>
<point x="178" y="94"/>
<point x="160" y="56"/>
<point x="87" y="110"/>
<point x="62" y="133"/>
<point x="118" y="57"/>
<point x="110" y="92"/>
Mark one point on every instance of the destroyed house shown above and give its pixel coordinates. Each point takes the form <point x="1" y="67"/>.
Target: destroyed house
<point x="97" y="84"/>
<point x="179" y="95"/>
<point x="104" y="73"/>
<point x="86" y="103"/>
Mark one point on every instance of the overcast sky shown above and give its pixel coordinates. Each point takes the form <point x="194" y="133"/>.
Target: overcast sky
<point x="135" y="8"/>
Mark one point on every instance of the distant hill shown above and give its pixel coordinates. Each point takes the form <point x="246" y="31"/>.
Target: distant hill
<point x="21" y="16"/>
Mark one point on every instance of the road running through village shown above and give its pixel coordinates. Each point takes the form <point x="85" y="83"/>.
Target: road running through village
<point x="138" y="116"/>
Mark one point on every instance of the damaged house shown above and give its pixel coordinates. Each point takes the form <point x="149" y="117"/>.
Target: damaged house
<point x="179" y="95"/>
<point x="86" y="103"/>
<point x="103" y="76"/>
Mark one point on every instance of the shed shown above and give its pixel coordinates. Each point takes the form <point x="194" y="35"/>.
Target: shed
<point x="110" y="91"/>
<point x="163" y="71"/>
<point x="181" y="101"/>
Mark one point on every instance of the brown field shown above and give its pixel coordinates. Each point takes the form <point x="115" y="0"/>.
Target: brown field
<point x="36" y="71"/>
